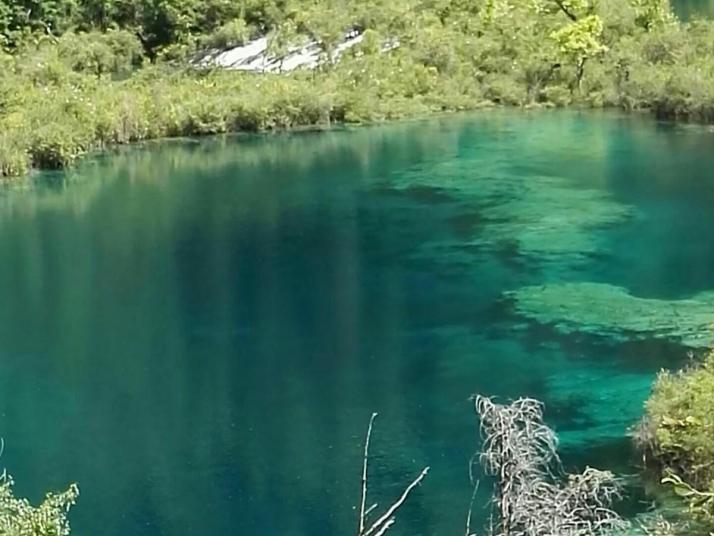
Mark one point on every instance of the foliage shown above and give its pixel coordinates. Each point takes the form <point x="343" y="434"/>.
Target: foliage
<point x="19" y="518"/>
<point x="283" y="39"/>
<point x="580" y="40"/>
<point x="19" y="19"/>
<point x="679" y="434"/>
<point x="650" y="13"/>
<point x="111" y="52"/>
<point x="231" y="34"/>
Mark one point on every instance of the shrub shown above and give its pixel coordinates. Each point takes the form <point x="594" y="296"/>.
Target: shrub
<point x="14" y="160"/>
<point x="57" y="145"/>
<point x="504" y="89"/>
<point x="231" y="34"/>
<point x="19" y="518"/>
<point x="679" y="434"/>
<point x="558" y="95"/>
<point x="97" y="53"/>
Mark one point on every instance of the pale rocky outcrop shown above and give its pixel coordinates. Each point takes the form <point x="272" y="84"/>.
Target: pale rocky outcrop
<point x="254" y="56"/>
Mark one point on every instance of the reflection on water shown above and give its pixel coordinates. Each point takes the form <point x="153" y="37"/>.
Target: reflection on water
<point x="198" y="332"/>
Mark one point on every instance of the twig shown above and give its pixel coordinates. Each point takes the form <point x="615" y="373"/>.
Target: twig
<point x="565" y="10"/>
<point x="388" y="514"/>
<point x="385" y="527"/>
<point x="471" y="508"/>
<point x="363" y="500"/>
<point x="369" y="510"/>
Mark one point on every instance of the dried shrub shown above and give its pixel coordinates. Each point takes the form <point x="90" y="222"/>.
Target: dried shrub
<point x="533" y="496"/>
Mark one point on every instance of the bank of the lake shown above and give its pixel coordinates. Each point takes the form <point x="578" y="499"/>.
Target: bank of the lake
<point x="63" y="96"/>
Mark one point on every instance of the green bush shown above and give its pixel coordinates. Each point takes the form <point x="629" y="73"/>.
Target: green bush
<point x="112" y="52"/>
<point x="558" y="95"/>
<point x="57" y="145"/>
<point x="14" y="159"/>
<point x="679" y="434"/>
<point x="505" y="89"/>
<point x="231" y="34"/>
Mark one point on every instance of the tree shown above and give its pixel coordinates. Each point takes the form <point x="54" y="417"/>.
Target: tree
<point x="21" y="18"/>
<point x="578" y="42"/>
<point x="650" y="13"/>
<point x="282" y="40"/>
<point x="326" y="22"/>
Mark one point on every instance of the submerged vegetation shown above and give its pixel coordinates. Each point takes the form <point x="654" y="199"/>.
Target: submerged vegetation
<point x="81" y="76"/>
<point x="545" y="219"/>
<point x="611" y="311"/>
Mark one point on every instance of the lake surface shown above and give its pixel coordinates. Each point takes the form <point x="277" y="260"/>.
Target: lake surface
<point x="197" y="332"/>
<point x="688" y="9"/>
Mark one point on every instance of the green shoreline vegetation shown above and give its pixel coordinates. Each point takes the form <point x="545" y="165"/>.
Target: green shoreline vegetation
<point x="80" y="76"/>
<point x="678" y="432"/>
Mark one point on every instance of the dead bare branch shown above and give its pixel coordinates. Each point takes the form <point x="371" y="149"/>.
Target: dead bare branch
<point x="363" y="501"/>
<point x="370" y="509"/>
<point x="399" y="502"/>
<point x="385" y="527"/>
<point x="533" y="495"/>
<point x="386" y="520"/>
<point x="471" y="509"/>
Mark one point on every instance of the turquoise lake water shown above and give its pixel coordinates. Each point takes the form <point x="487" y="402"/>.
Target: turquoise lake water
<point x="198" y="331"/>
<point x="688" y="9"/>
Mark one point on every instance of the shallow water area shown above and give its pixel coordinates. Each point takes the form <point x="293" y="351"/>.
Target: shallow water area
<point x="197" y="331"/>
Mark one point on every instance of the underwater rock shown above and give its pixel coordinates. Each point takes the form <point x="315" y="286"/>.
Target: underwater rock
<point x="611" y="311"/>
<point x="255" y="56"/>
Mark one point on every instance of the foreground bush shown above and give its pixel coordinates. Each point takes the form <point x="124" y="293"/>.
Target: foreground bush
<point x="19" y="518"/>
<point x="679" y="435"/>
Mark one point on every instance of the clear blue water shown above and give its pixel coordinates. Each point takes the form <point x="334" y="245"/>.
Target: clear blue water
<point x="198" y="331"/>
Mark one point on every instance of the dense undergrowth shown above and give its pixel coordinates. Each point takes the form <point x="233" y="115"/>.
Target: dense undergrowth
<point x="77" y="78"/>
